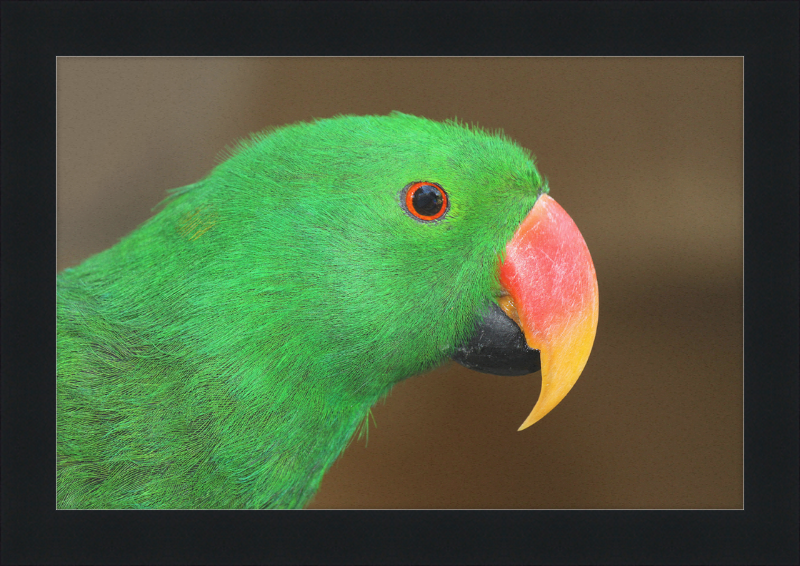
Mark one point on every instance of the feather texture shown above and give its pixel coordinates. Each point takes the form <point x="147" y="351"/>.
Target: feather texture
<point x="223" y="354"/>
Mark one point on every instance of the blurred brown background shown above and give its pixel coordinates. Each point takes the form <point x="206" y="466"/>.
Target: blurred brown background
<point x="644" y="153"/>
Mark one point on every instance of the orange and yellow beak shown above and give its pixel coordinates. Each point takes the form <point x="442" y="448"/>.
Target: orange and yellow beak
<point x="552" y="286"/>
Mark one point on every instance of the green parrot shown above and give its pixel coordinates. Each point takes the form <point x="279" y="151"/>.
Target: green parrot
<point x="224" y="353"/>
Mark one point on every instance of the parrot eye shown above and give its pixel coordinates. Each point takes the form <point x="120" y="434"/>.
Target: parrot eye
<point x="424" y="201"/>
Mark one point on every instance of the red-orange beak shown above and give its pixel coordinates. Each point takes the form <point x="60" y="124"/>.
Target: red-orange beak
<point x="550" y="278"/>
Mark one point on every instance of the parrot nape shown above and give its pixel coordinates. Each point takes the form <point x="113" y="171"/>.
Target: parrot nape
<point x="223" y="354"/>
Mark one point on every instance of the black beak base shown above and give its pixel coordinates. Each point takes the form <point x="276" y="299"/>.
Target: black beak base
<point x="498" y="347"/>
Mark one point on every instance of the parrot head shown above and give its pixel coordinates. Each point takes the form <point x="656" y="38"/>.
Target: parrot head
<point x="375" y="247"/>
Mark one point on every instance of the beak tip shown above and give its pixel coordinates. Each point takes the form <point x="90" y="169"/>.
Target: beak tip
<point x="533" y="418"/>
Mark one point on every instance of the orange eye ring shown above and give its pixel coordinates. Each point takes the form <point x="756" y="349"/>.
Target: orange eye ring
<point x="425" y="201"/>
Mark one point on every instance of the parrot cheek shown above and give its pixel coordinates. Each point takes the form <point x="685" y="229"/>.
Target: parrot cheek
<point x="553" y="296"/>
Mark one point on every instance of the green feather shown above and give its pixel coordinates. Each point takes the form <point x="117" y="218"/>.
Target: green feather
<point x="224" y="353"/>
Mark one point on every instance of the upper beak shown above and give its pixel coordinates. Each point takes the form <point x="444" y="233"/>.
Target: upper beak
<point x="552" y="285"/>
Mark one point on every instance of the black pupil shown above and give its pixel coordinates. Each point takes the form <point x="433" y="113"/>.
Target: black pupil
<point x="427" y="200"/>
